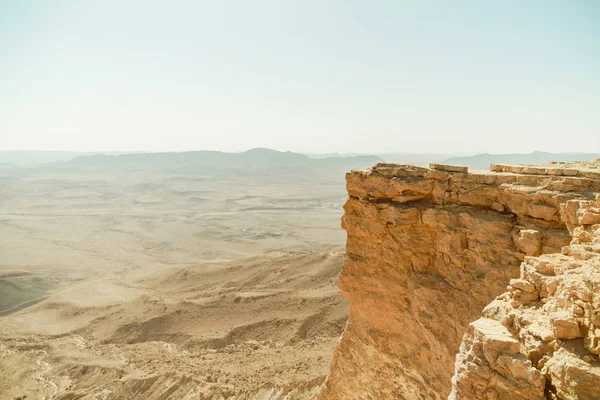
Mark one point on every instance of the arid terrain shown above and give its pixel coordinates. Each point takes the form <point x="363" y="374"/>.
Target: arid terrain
<point x="141" y="283"/>
<point x="209" y="275"/>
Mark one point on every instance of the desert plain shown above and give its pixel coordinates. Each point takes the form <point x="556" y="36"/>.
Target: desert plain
<point x="138" y="282"/>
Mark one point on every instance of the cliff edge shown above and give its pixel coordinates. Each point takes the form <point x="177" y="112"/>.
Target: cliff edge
<point x="541" y="339"/>
<point x="427" y="250"/>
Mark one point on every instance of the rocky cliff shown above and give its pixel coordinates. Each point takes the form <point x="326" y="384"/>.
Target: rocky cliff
<point x="541" y="339"/>
<point x="427" y="250"/>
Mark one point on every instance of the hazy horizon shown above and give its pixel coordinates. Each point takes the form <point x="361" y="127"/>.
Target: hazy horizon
<point x="308" y="153"/>
<point x="308" y="77"/>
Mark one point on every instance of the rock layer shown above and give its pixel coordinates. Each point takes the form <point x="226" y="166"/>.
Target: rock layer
<point x="427" y="249"/>
<point x="541" y="339"/>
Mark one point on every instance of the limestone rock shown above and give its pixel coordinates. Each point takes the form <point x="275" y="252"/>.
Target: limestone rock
<point x="491" y="352"/>
<point x="558" y="333"/>
<point x="427" y="249"/>
<point x="529" y="241"/>
<point x="523" y="285"/>
<point x="572" y="377"/>
<point x="449" y="168"/>
<point x="565" y="327"/>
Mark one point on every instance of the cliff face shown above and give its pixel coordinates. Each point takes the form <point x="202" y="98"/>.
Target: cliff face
<point x="427" y="249"/>
<point x="541" y="339"/>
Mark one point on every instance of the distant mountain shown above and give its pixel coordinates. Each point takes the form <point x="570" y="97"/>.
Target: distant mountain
<point x="7" y="166"/>
<point x="400" y="158"/>
<point x="269" y="157"/>
<point x="483" y="161"/>
<point x="206" y="160"/>
<point x="414" y="158"/>
<point x="347" y="161"/>
<point x="261" y="158"/>
<point x="29" y="158"/>
<point x="333" y="155"/>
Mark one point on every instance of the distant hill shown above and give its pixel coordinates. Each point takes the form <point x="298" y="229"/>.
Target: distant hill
<point x="347" y="163"/>
<point x="400" y="158"/>
<point x="206" y="161"/>
<point x="7" y="166"/>
<point x="194" y="160"/>
<point x="29" y="158"/>
<point x="483" y="161"/>
<point x="414" y="158"/>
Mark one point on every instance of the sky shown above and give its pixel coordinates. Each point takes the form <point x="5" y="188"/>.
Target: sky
<point x="507" y="76"/>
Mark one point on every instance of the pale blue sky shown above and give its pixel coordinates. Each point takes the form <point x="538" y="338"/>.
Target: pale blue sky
<point x="301" y="75"/>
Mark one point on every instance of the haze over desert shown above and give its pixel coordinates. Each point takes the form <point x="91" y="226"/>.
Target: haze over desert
<point x="118" y="282"/>
<point x="299" y="200"/>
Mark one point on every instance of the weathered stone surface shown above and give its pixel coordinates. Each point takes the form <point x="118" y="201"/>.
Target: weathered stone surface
<point x="491" y="352"/>
<point x="529" y="241"/>
<point x="582" y="169"/>
<point x="572" y="377"/>
<point x="427" y="249"/>
<point x="558" y="333"/>
<point x="523" y="285"/>
<point x="449" y="168"/>
<point x="564" y="326"/>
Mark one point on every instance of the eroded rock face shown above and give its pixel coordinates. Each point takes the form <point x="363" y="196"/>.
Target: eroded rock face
<point x="550" y="316"/>
<point x="427" y="249"/>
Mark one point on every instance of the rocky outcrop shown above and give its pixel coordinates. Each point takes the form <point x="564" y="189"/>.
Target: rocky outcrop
<point x="541" y="339"/>
<point x="427" y="250"/>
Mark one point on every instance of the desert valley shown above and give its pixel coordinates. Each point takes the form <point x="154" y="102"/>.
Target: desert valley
<point x="299" y="200"/>
<point x="209" y="275"/>
<point x="172" y="278"/>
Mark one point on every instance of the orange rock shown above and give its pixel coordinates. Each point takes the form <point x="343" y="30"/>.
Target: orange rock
<point x="427" y="249"/>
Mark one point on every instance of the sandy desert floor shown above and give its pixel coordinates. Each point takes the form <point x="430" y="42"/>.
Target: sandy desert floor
<point x="146" y="285"/>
